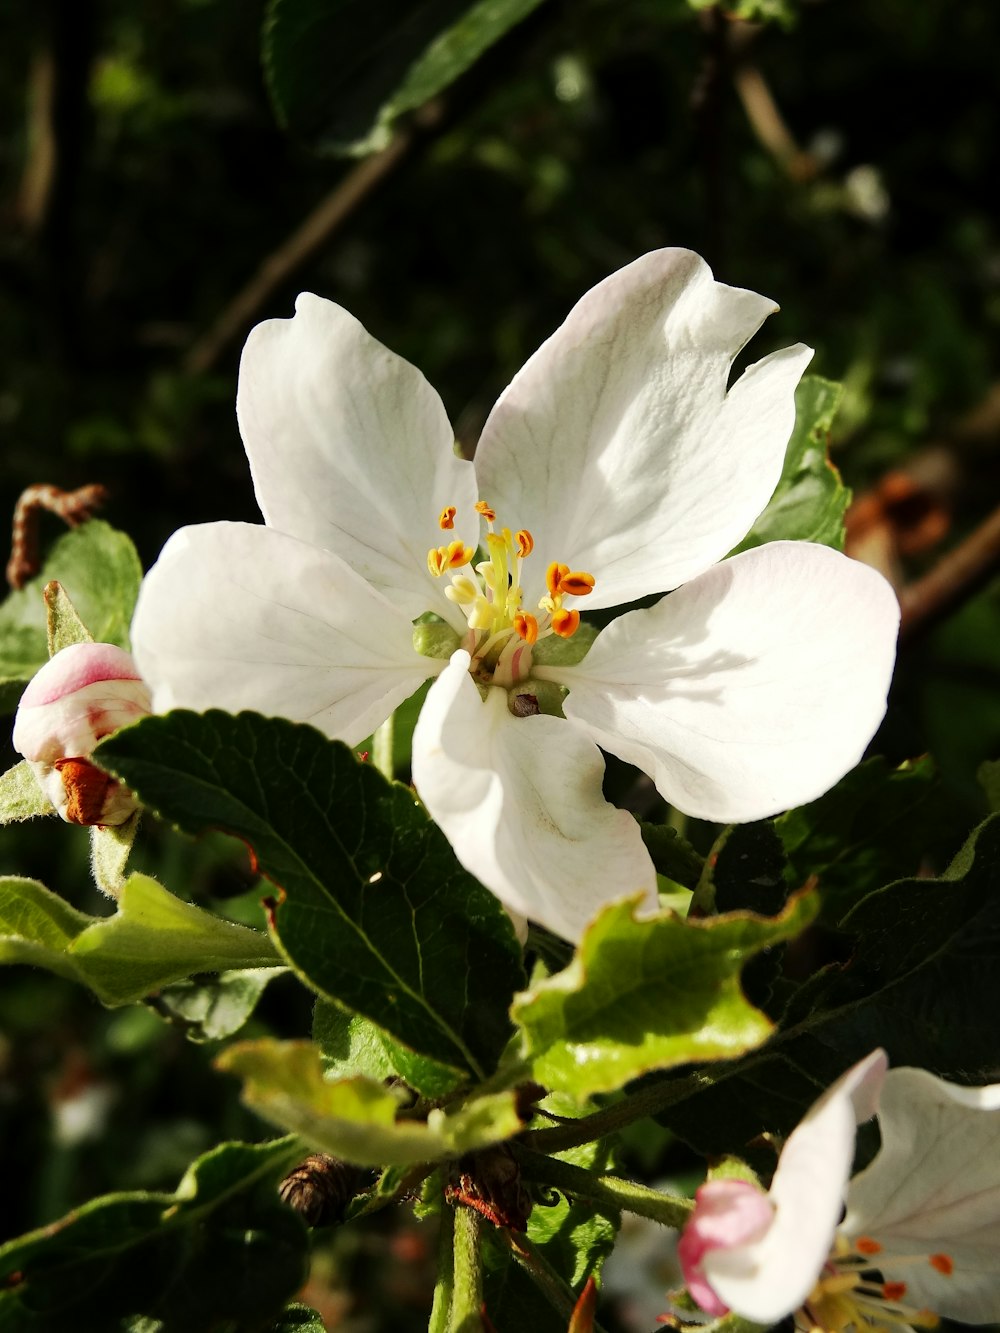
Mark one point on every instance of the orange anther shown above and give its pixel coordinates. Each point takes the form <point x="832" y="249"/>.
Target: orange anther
<point x="554" y="576"/>
<point x="576" y="584"/>
<point x="565" y="623"/>
<point x="447" y="519"/>
<point x="526" y="626"/>
<point x="483" y="508"/>
<point x="893" y="1291"/>
<point x="866" y="1245"/>
<point x="457" y="554"/>
<point x="943" y="1263"/>
<point x="525" y="542"/>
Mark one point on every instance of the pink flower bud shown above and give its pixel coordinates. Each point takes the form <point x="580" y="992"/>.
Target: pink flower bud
<point x="82" y="694"/>
<point x="727" y="1214"/>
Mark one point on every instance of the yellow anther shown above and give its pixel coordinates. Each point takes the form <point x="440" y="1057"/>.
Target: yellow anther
<point x="447" y="519"/>
<point x="565" y="623"/>
<point x="462" y="590"/>
<point x="553" y="577"/>
<point x="576" y="584"/>
<point x="526" y="626"/>
<point x="483" y="508"/>
<point x="453" y="556"/>
<point x="525" y="542"/>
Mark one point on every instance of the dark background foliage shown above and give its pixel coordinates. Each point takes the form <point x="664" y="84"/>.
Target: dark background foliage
<point x="842" y="159"/>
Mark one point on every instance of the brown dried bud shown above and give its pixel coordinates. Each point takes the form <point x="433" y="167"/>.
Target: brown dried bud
<point x="320" y="1188"/>
<point x="490" y="1182"/>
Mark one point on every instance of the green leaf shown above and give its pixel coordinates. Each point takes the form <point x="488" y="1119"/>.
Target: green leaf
<point x="221" y="1248"/>
<point x="341" y="72"/>
<point x="373" y="912"/>
<point x="922" y="981"/>
<point x="672" y="855"/>
<point x="874" y="825"/>
<point x="21" y="797"/>
<point x="110" y="845"/>
<point x="299" y="1319"/>
<point x="810" y="500"/>
<point x="100" y="571"/>
<point x="351" y="1044"/>
<point x="212" y="1008"/>
<point x="988" y="777"/>
<point x="648" y="994"/>
<point x="358" y="1119"/>
<point x="152" y="939"/>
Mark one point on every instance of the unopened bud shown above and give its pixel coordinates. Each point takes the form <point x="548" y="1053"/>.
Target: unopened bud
<point x="82" y="694"/>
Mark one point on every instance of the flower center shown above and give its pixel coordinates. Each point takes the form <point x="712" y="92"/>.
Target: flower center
<point x="501" y="632"/>
<point x="850" y="1292"/>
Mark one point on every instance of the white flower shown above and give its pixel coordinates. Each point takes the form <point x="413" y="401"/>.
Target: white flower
<point x="617" y="466"/>
<point x="921" y="1235"/>
<point x="81" y="694"/>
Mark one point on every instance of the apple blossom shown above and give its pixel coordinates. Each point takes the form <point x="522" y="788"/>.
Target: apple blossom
<point x="921" y="1235"/>
<point x="615" y="465"/>
<point x="83" y="693"/>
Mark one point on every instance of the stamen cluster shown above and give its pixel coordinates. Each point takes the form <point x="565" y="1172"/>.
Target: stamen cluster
<point x="850" y="1292"/>
<point x="501" y="632"/>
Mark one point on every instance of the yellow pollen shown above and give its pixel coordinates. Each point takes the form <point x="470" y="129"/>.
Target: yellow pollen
<point x="525" y="542"/>
<point x="565" y="623"/>
<point x="943" y="1263"/>
<point x="447" y="519"/>
<point x="865" y="1245"/>
<point x="453" y="556"/>
<point x="526" y="626"/>
<point x="483" y="508"/>
<point x="553" y="577"/>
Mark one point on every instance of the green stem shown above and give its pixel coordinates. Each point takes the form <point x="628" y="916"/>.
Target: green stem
<point x="467" y="1279"/>
<point x="382" y="747"/>
<point x="703" y="898"/>
<point x="557" y="1292"/>
<point x="613" y="1190"/>
<point x="444" y="1289"/>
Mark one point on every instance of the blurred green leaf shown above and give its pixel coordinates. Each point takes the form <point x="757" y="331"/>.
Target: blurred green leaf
<point x="211" y="1008"/>
<point x="301" y="1318"/>
<point x="352" y="1044"/>
<point x="810" y="500"/>
<point x="341" y="72"/>
<point x="99" y="571"/>
<point x="373" y="910"/>
<point x="221" y="1248"/>
<point x="358" y="1119"/>
<point x="648" y="994"/>
<point x="875" y="825"/>
<point x="152" y="939"/>
<point x="672" y="855"/>
<point x="988" y="777"/>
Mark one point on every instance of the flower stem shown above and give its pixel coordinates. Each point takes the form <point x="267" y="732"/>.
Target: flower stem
<point x="467" y="1273"/>
<point x="441" y="1309"/>
<point x="382" y="747"/>
<point x="557" y="1292"/>
<point x="613" y="1190"/>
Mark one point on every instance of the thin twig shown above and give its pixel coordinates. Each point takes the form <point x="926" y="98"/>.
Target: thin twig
<point x="956" y="576"/>
<point x="301" y="245"/>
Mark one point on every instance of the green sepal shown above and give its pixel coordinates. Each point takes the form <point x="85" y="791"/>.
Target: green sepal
<point x="21" y="795"/>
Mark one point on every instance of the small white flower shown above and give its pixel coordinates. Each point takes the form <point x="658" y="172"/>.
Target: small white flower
<point x="617" y="466"/>
<point x="921" y="1235"/>
<point x="81" y="694"/>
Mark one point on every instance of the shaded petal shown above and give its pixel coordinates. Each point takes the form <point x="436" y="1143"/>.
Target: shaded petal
<point x="770" y="1278"/>
<point x="520" y="801"/>
<point x="350" y="449"/>
<point x="752" y="689"/>
<point x="726" y="1213"/>
<point x="234" y="616"/>
<point x="935" y="1188"/>
<point x="617" y="446"/>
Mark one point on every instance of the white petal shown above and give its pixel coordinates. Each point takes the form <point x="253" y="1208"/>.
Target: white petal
<point x="351" y="450"/>
<point x="770" y="1278"/>
<point x="752" y="689"/>
<point x="935" y="1188"/>
<point x="519" y="799"/>
<point x="617" y="446"/>
<point x="238" y="616"/>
